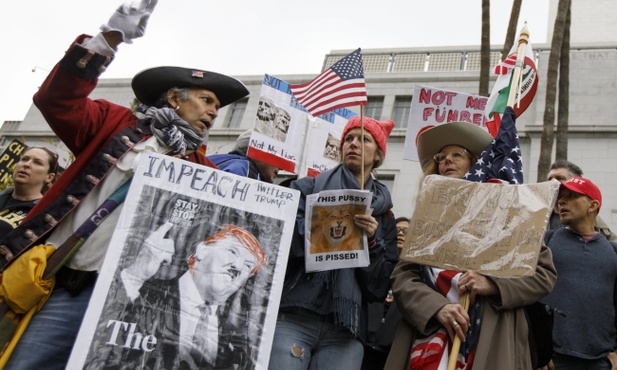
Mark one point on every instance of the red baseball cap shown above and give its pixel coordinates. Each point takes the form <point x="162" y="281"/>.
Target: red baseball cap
<point x="584" y="186"/>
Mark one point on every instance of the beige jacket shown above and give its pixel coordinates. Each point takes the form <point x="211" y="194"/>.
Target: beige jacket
<point x="503" y="342"/>
<point x="602" y="227"/>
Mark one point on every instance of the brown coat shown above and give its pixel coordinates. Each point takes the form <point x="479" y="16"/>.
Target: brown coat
<point x="503" y="342"/>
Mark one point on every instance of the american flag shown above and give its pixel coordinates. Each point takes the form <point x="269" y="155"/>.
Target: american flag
<point x="432" y="352"/>
<point x="501" y="160"/>
<point x="341" y="85"/>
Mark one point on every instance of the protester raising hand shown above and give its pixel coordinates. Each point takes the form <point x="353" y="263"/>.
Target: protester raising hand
<point x="130" y="19"/>
<point x="107" y="140"/>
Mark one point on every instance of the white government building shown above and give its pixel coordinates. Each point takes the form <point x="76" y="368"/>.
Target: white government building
<point x="391" y="75"/>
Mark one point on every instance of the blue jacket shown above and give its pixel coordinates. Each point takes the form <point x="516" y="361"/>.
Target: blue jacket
<point x="237" y="164"/>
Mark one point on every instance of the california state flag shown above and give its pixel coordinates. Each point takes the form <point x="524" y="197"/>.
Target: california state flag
<point x="497" y="102"/>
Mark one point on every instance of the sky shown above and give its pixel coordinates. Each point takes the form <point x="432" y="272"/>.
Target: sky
<point x="240" y="37"/>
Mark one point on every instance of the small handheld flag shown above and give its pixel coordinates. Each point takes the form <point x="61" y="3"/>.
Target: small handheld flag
<point x="341" y="85"/>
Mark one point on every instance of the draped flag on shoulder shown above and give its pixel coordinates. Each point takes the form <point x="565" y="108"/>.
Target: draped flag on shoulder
<point x="528" y="84"/>
<point x="341" y="85"/>
<point x="431" y="352"/>
<point x="501" y="161"/>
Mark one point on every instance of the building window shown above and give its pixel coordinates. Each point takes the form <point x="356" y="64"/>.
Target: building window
<point x="236" y="111"/>
<point x="374" y="107"/>
<point x="400" y="112"/>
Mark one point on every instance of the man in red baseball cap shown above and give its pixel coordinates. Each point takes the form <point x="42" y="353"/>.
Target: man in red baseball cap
<point x="563" y="170"/>
<point x="585" y="337"/>
<point x="573" y="189"/>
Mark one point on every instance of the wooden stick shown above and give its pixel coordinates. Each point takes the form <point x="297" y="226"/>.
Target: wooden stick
<point x="456" y="344"/>
<point x="362" y="147"/>
<point x="518" y="68"/>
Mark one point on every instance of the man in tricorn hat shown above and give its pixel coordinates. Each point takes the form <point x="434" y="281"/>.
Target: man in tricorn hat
<point x="107" y="141"/>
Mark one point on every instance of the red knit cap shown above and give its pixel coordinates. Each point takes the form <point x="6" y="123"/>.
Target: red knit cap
<point x="379" y="129"/>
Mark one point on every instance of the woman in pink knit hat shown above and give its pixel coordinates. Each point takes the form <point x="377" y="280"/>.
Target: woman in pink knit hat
<point x="323" y="315"/>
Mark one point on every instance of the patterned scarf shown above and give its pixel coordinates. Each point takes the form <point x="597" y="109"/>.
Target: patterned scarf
<point x="432" y="352"/>
<point x="171" y="130"/>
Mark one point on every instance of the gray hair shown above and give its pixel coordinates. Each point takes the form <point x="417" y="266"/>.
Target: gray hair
<point x="182" y="93"/>
<point x="574" y="170"/>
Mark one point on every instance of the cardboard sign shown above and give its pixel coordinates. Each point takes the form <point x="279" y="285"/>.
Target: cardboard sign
<point x="194" y="272"/>
<point x="494" y="229"/>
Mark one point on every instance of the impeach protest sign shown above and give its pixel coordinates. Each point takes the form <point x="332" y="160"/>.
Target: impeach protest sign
<point x="285" y="135"/>
<point x="432" y="107"/>
<point x="495" y="229"/>
<point x="332" y="239"/>
<point x="194" y="272"/>
<point x="9" y="157"/>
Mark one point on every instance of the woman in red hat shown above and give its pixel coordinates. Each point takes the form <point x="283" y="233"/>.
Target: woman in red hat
<point x="323" y="315"/>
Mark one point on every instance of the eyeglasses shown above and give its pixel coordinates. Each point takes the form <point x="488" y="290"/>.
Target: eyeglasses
<point x="455" y="155"/>
<point x="401" y="230"/>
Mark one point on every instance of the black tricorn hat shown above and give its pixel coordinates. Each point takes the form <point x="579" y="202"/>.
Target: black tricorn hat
<point x="148" y="85"/>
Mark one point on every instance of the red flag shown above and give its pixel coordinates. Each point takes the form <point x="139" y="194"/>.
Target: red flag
<point x="341" y="85"/>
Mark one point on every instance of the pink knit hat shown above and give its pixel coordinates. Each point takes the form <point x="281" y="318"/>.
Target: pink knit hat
<point x="379" y="129"/>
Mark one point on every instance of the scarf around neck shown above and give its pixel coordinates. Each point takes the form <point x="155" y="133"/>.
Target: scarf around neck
<point x="347" y="295"/>
<point x="171" y="130"/>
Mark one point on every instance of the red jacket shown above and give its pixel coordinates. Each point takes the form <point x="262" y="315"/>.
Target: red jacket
<point x="98" y="133"/>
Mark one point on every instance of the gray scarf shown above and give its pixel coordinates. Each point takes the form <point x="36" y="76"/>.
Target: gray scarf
<point x="171" y="130"/>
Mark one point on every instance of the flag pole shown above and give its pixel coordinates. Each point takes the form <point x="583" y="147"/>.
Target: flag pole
<point x="308" y="128"/>
<point x="456" y="343"/>
<point x="362" y="147"/>
<point x="518" y="68"/>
